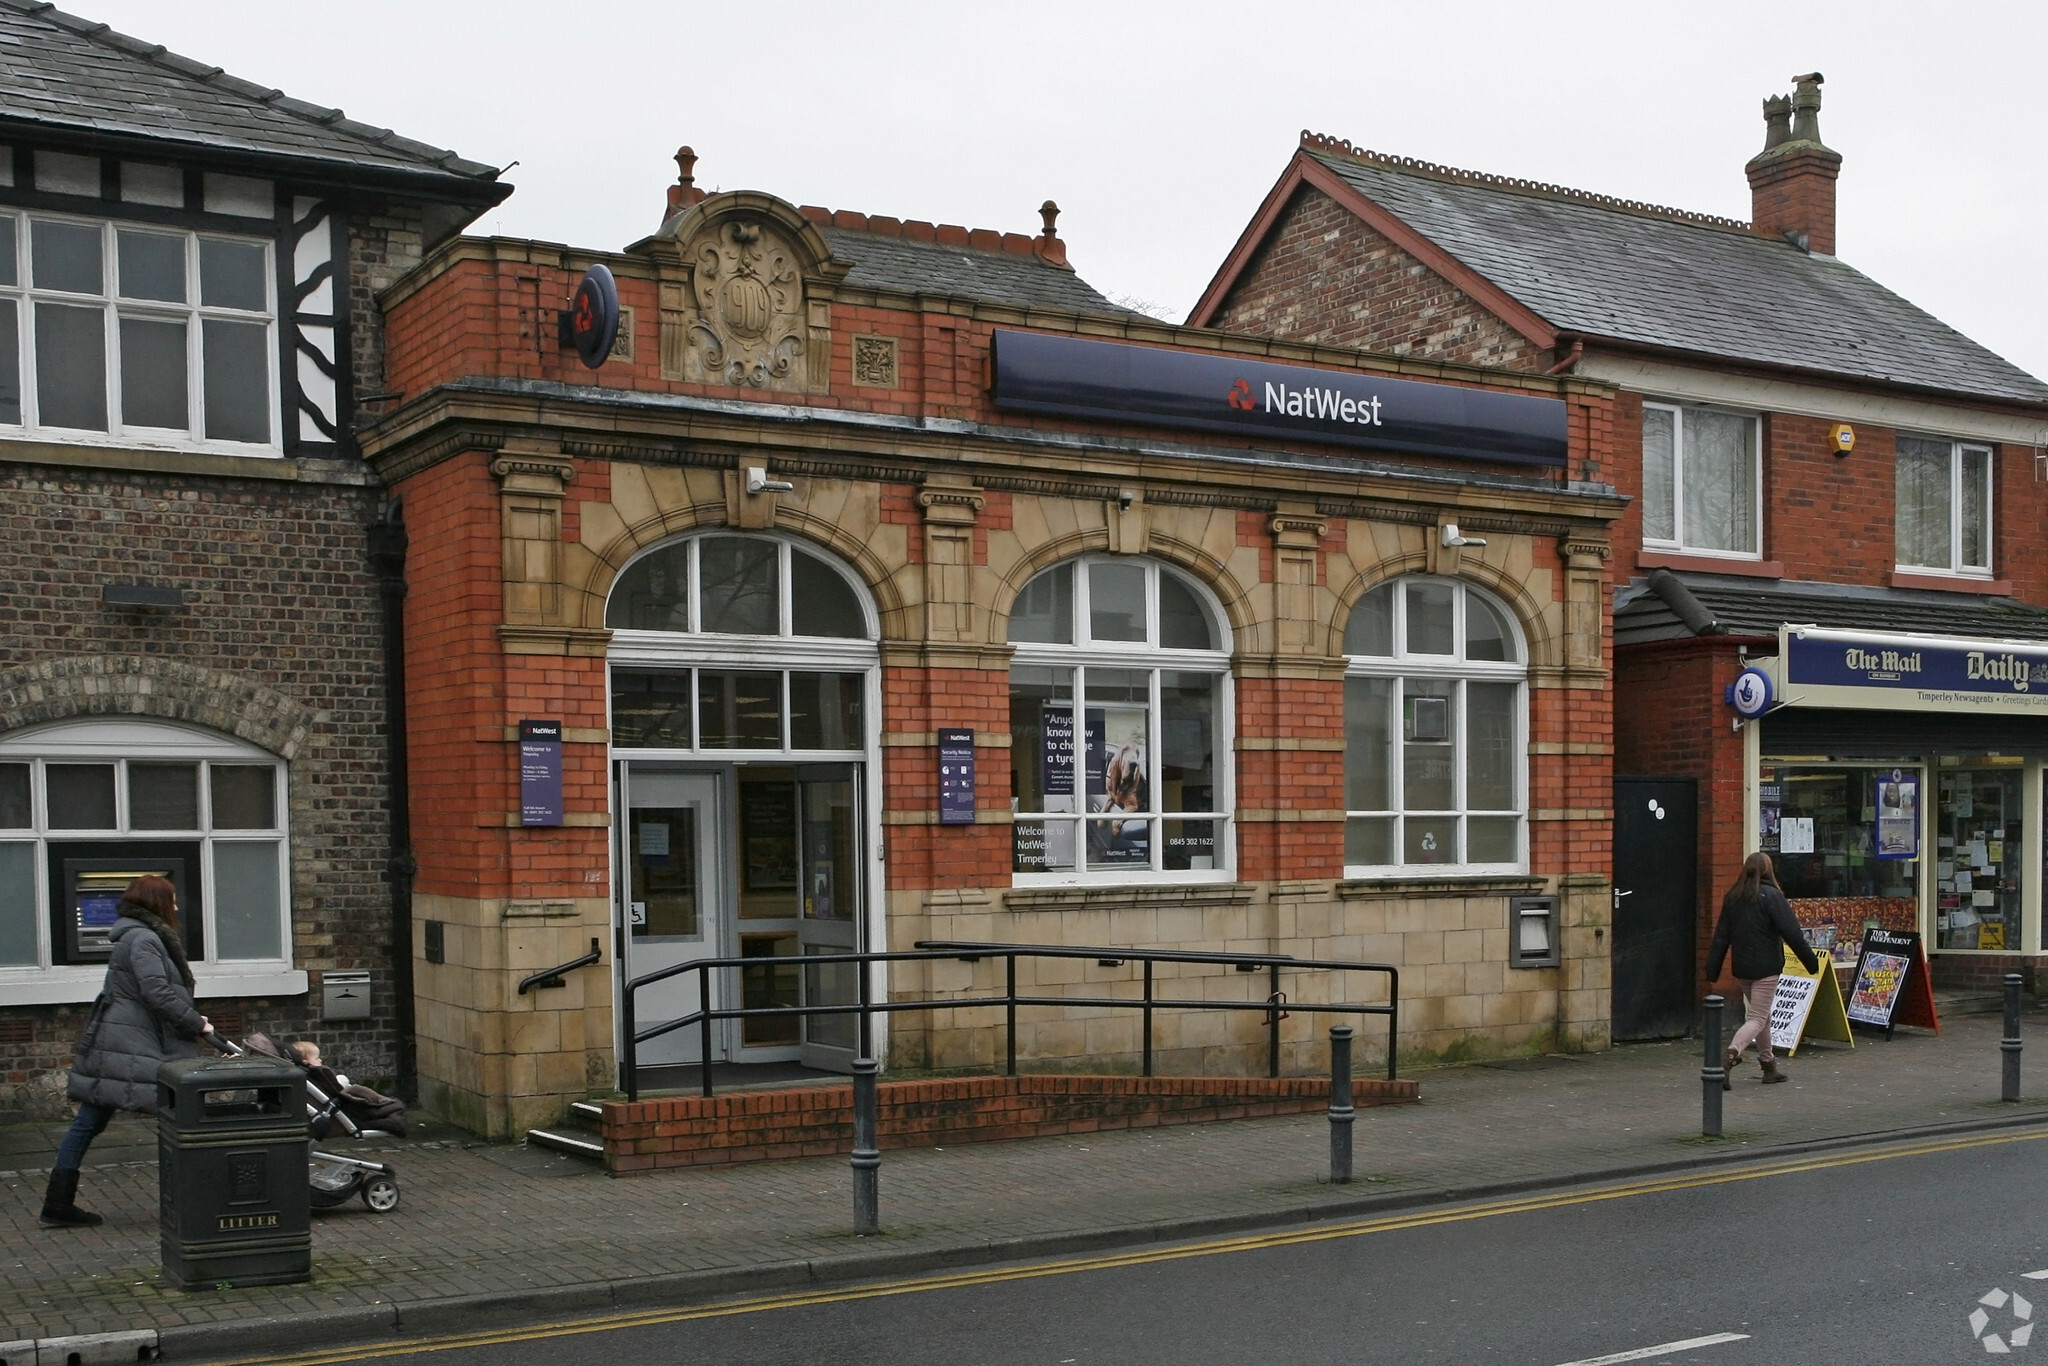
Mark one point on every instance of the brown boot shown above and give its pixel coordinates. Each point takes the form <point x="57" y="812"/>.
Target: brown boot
<point x="1771" y="1072"/>
<point x="60" y="1209"/>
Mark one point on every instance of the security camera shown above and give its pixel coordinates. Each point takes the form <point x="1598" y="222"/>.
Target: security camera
<point x="759" y="482"/>
<point x="1452" y="538"/>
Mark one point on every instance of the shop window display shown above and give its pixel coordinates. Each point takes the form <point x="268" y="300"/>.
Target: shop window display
<point x="1846" y="844"/>
<point x="1977" y="868"/>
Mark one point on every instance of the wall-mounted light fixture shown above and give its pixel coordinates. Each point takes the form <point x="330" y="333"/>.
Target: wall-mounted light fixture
<point x="1452" y="538"/>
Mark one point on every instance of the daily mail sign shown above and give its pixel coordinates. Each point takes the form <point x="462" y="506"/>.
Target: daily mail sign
<point x="1825" y="668"/>
<point x="1118" y="382"/>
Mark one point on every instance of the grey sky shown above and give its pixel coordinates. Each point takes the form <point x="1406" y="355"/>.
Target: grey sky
<point x="1159" y="127"/>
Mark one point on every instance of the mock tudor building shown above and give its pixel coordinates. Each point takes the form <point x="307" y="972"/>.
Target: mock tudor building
<point x="1244" y="645"/>
<point x="198" y="570"/>
<point x="1831" y="492"/>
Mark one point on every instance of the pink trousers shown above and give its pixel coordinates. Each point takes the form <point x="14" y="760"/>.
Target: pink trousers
<point x="1756" y="1016"/>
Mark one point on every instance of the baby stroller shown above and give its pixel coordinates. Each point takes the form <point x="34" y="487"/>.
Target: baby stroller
<point x="335" y="1177"/>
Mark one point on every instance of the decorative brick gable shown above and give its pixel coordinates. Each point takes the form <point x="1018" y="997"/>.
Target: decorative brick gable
<point x="1324" y="276"/>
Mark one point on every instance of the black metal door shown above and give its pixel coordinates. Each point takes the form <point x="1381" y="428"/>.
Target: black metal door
<point x="1656" y="838"/>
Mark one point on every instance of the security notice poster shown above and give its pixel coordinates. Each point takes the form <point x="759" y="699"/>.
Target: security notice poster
<point x="1116" y="781"/>
<point x="1807" y="1006"/>
<point x="1898" y="816"/>
<point x="1881" y="973"/>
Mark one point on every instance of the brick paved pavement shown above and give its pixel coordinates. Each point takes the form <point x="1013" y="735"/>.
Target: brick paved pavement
<point x="552" y="1237"/>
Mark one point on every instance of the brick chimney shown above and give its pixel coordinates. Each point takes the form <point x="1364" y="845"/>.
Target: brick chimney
<point x="1792" y="181"/>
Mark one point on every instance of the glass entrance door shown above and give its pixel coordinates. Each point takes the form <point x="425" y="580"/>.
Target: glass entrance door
<point x="668" y="903"/>
<point x="828" y="803"/>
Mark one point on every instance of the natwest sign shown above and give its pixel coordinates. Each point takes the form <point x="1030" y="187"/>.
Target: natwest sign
<point x="1118" y="382"/>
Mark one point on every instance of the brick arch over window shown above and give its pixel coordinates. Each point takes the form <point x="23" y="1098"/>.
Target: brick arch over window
<point x="1188" y="558"/>
<point x="166" y="689"/>
<point x="856" y="554"/>
<point x="1537" y="619"/>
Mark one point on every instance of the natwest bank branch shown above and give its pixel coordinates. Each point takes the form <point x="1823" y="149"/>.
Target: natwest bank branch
<point x="883" y="582"/>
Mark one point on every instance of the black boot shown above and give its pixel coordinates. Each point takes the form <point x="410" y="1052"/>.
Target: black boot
<point x="60" y="1209"/>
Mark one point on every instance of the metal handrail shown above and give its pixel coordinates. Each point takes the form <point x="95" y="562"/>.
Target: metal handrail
<point x="1275" y="1006"/>
<point x="552" y="977"/>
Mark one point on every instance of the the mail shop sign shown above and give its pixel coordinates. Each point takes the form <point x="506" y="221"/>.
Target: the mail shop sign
<point x="1839" y="668"/>
<point x="1076" y="377"/>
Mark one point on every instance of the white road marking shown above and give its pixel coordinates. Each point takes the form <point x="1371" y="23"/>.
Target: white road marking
<point x="2037" y="1275"/>
<point x="1663" y="1349"/>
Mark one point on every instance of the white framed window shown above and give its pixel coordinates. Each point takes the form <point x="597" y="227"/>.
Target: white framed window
<point x="734" y="645"/>
<point x="1943" y="512"/>
<point x="1702" y="486"/>
<point x="1435" y="711"/>
<point x="1120" y="725"/>
<point x="88" y="806"/>
<point x="137" y="332"/>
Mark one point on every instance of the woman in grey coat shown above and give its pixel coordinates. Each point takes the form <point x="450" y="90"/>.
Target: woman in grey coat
<point x="145" y="1014"/>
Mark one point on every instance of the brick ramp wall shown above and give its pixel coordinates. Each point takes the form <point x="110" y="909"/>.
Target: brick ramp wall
<point x="817" y="1121"/>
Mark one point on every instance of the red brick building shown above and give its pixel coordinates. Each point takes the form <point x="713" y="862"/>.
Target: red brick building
<point x="1256" y="645"/>
<point x="1801" y="448"/>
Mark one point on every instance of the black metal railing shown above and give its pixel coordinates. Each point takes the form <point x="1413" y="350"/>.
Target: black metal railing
<point x="552" y="977"/>
<point x="1275" y="1007"/>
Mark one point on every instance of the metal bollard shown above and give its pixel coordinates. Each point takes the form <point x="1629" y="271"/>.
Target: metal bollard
<point x="867" y="1158"/>
<point x="1341" y="1111"/>
<point x="1713" y="1075"/>
<point x="2010" y="1046"/>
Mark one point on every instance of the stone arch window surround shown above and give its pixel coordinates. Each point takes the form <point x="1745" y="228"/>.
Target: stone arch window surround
<point x="727" y="642"/>
<point x="1435" y="728"/>
<point x="81" y="800"/>
<point x="1121" y="723"/>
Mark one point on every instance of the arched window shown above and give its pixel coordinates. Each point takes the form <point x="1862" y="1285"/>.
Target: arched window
<point x="1434" y="715"/>
<point x="86" y="806"/>
<point x="727" y="642"/>
<point x="737" y="585"/>
<point x="1119" y="725"/>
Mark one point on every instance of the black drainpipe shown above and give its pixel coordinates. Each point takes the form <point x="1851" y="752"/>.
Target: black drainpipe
<point x="387" y="556"/>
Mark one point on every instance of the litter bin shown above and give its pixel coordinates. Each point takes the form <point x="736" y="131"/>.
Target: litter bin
<point x="232" y="1153"/>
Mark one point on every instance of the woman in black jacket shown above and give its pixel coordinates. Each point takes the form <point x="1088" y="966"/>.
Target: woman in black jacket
<point x="1757" y="924"/>
<point x="145" y="1014"/>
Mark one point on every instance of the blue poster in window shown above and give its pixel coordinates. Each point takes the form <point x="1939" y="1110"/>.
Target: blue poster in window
<point x="1056" y="723"/>
<point x="1898" y="815"/>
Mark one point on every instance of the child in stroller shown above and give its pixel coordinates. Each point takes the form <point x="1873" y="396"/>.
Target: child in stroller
<point x="332" y="1103"/>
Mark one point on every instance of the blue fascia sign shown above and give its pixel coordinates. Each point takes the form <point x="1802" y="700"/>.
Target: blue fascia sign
<point x="1037" y="372"/>
<point x="1913" y="673"/>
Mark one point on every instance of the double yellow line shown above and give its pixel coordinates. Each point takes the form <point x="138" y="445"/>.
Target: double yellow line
<point x="1069" y="1266"/>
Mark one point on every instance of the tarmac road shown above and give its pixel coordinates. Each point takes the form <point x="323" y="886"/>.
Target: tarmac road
<point x="1867" y="1256"/>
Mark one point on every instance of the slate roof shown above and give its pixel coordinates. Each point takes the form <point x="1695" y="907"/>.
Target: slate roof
<point x="905" y="265"/>
<point x="66" y="73"/>
<point x="1674" y="606"/>
<point x="1686" y="282"/>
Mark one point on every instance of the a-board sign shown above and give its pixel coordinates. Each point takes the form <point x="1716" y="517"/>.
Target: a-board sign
<point x="1807" y="1006"/>
<point x="1891" y="985"/>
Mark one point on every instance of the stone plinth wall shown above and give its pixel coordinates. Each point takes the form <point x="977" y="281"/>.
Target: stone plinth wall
<point x="817" y="1121"/>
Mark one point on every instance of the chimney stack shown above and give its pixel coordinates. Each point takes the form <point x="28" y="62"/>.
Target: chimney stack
<point x="1792" y="181"/>
<point x="684" y="192"/>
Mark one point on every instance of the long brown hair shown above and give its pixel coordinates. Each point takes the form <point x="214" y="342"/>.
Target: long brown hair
<point x="155" y="895"/>
<point x="1756" y="874"/>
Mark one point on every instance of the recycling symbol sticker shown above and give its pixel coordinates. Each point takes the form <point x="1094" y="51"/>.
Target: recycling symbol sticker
<point x="2002" y="1322"/>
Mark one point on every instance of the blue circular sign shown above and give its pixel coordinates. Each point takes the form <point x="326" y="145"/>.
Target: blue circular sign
<point x="594" y="316"/>
<point x="1751" y="692"/>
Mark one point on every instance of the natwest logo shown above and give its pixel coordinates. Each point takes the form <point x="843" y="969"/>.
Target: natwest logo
<point x="1240" y="395"/>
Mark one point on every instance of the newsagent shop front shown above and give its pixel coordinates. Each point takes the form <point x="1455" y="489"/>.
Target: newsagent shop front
<point x="1896" y="780"/>
<point x="883" y="583"/>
